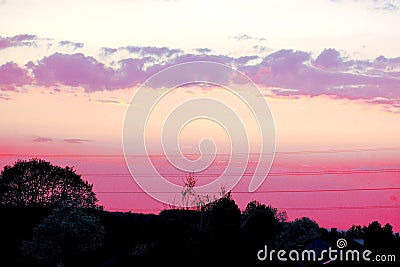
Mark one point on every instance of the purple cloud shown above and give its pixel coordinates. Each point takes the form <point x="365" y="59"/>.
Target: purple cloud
<point x="17" y="40"/>
<point x="152" y="51"/>
<point x="293" y="73"/>
<point x="81" y="70"/>
<point x="41" y="139"/>
<point x="107" y="51"/>
<point x="71" y="44"/>
<point x="72" y="70"/>
<point x="286" y="62"/>
<point x="293" y="70"/>
<point x="244" y="60"/>
<point x="188" y="73"/>
<point x="11" y="76"/>
<point x="329" y="59"/>
<point x="76" y="141"/>
<point x="203" y="50"/>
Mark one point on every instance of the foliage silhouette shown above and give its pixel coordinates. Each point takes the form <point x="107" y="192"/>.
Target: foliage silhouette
<point x="261" y="223"/>
<point x="298" y="233"/>
<point x="39" y="183"/>
<point x="56" y="211"/>
<point x="64" y="236"/>
<point x="378" y="237"/>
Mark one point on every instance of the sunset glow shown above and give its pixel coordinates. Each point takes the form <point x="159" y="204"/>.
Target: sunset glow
<point x="333" y="87"/>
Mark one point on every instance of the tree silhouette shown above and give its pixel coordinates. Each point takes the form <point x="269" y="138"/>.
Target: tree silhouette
<point x="261" y="223"/>
<point x="298" y="233"/>
<point x="222" y="213"/>
<point x="355" y="231"/>
<point x="191" y="199"/>
<point x="64" y="236"/>
<point x="188" y="193"/>
<point x="38" y="183"/>
<point x="378" y="237"/>
<point x="279" y="216"/>
<point x="220" y="229"/>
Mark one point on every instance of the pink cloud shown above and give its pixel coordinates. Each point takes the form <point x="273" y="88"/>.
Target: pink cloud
<point x="11" y="76"/>
<point x="85" y="71"/>
<point x="76" y="140"/>
<point x="17" y="40"/>
<point x="329" y="74"/>
<point x="4" y="97"/>
<point x="72" y="70"/>
<point x="41" y="139"/>
<point x="329" y="59"/>
<point x="297" y="73"/>
<point x="107" y="101"/>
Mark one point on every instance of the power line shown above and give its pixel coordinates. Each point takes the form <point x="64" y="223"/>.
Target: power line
<point x="342" y="208"/>
<point x="265" y="191"/>
<point x="289" y="173"/>
<point x="329" y="151"/>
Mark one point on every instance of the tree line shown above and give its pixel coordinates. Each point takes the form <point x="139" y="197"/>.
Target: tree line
<point x="50" y="217"/>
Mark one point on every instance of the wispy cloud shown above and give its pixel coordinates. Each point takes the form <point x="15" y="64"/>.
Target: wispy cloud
<point x="110" y="101"/>
<point x="76" y="141"/>
<point x="383" y="5"/>
<point x="388" y="5"/>
<point x="108" y="51"/>
<point x="40" y="139"/>
<point x="71" y="44"/>
<point x="5" y="97"/>
<point x="245" y="37"/>
<point x="203" y="50"/>
<point x="18" y="40"/>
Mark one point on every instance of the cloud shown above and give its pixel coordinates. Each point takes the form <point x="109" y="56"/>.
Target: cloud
<point x="152" y="51"/>
<point x="76" y="141"/>
<point x="11" y="76"/>
<point x="280" y="63"/>
<point x="4" y="97"/>
<point x="87" y="72"/>
<point x="295" y="73"/>
<point x="189" y="74"/>
<point x="260" y="48"/>
<point x="71" y="44"/>
<point x="244" y="60"/>
<point x="18" y="40"/>
<point x="41" y="139"/>
<point x="329" y="74"/>
<point x="329" y="59"/>
<point x="383" y="5"/>
<point x="203" y="50"/>
<point x="108" y="101"/>
<point x="388" y="5"/>
<point x="107" y="51"/>
<point x="245" y="37"/>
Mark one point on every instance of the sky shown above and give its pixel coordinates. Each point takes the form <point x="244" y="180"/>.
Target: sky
<point x="328" y="71"/>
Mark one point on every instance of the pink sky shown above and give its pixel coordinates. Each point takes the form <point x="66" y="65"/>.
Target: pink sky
<point x="333" y="90"/>
<point x="322" y="143"/>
